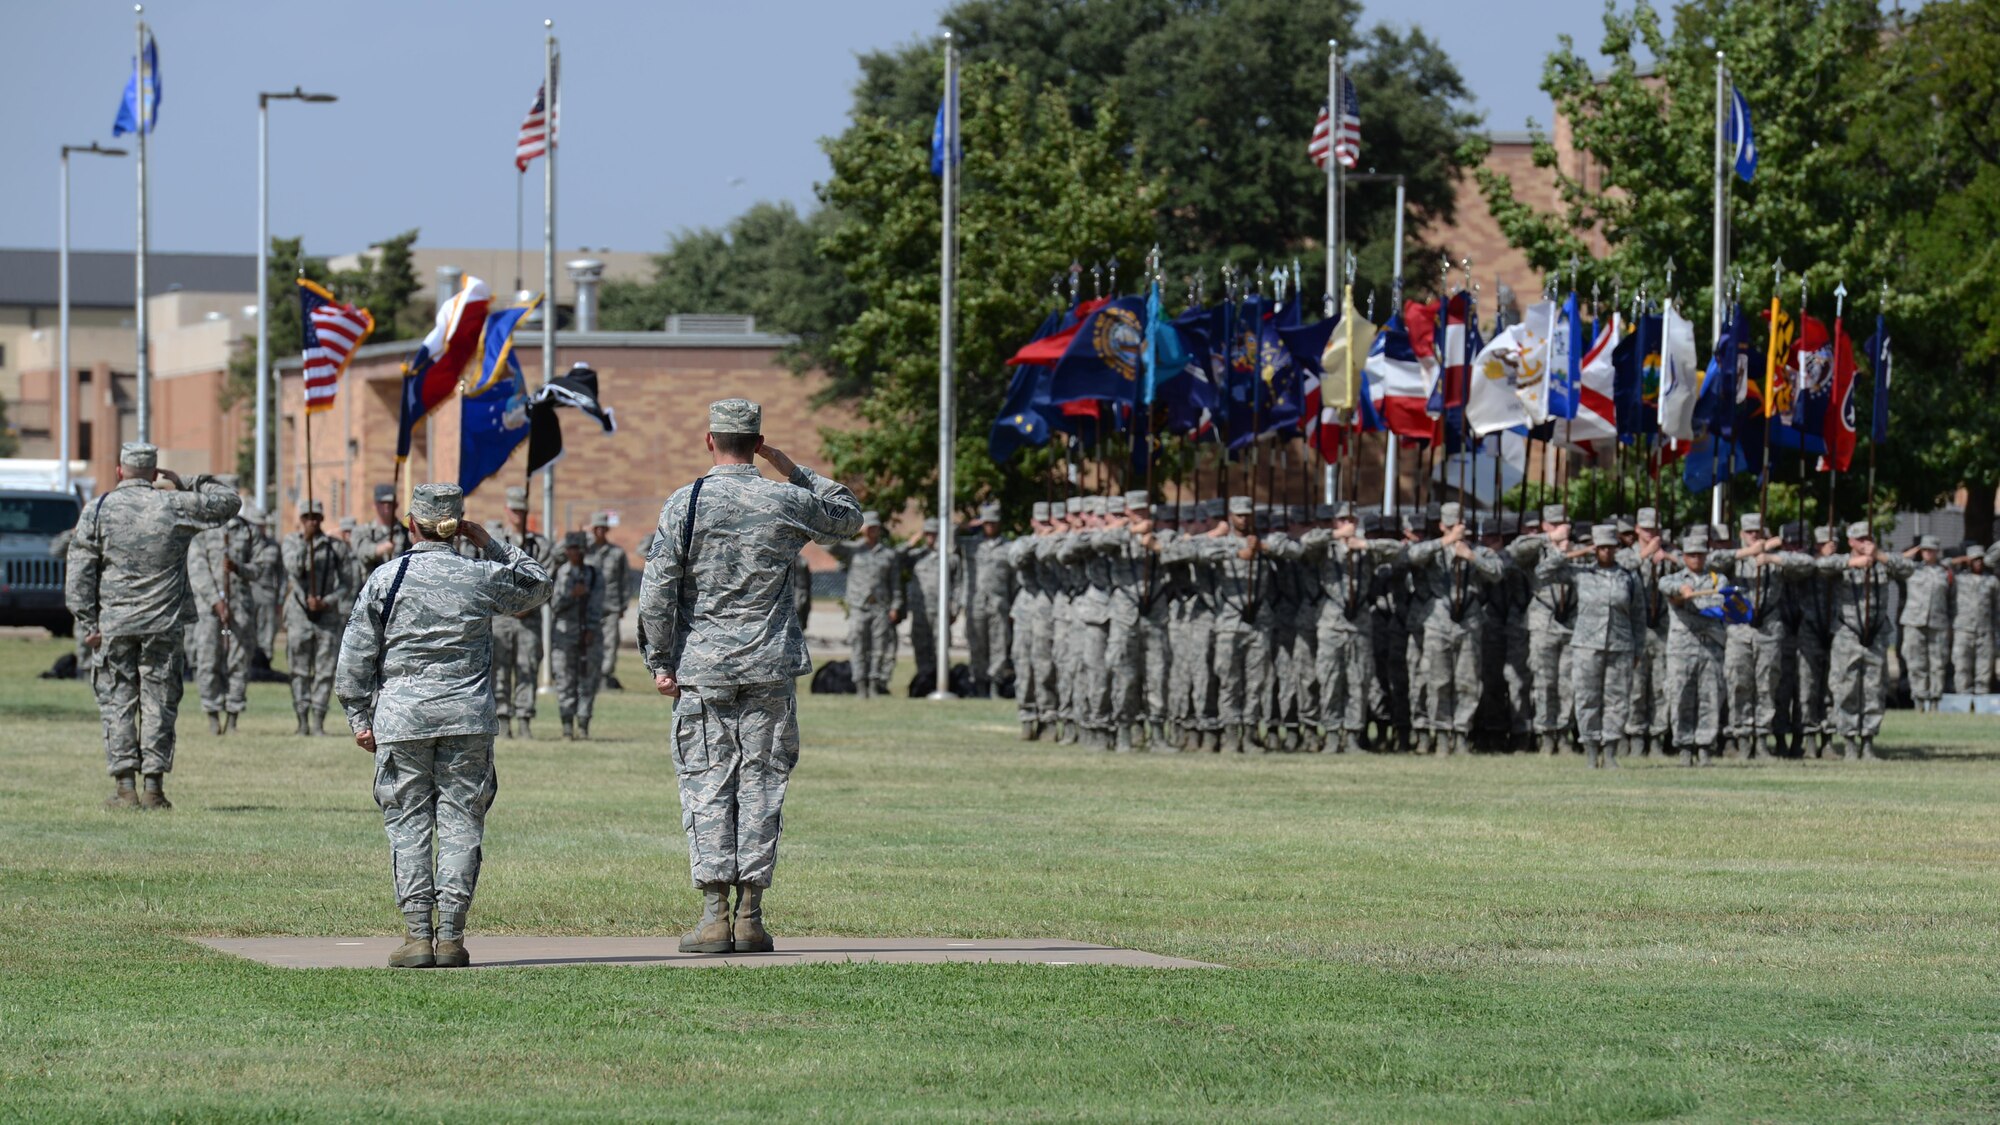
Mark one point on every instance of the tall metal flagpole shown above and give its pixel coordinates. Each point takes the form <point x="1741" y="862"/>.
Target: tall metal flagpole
<point x="145" y="378"/>
<point x="549" y="310"/>
<point x="1719" y="306"/>
<point x="947" y="278"/>
<point x="263" y="439"/>
<point x="1395" y="296"/>
<point x="64" y="409"/>
<point x="1334" y="109"/>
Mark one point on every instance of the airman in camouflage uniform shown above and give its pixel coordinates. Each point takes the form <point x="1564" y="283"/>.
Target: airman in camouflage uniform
<point x="1975" y="609"/>
<point x="874" y="605"/>
<point x="127" y="588"/>
<point x="1758" y="650"/>
<point x="576" y="609"/>
<point x="267" y="590"/>
<point x="987" y="593"/>
<point x="1344" y="655"/>
<point x="1192" y="685"/>
<point x="1506" y="638"/>
<point x="920" y="558"/>
<point x="1449" y="572"/>
<point x="1157" y="598"/>
<point x="1812" y="592"/>
<point x="722" y="636"/>
<point x="1604" y="642"/>
<point x="318" y="571"/>
<point x="1239" y="645"/>
<point x="1926" y="622"/>
<point x="517" y="638"/>
<point x="415" y="678"/>
<point x="1092" y="610"/>
<point x="616" y="572"/>
<point x="1033" y="672"/>
<point x="1695" y="651"/>
<point x="1551" y="610"/>
<point x="1862" y="580"/>
<point x="1649" y="561"/>
<point x="383" y="538"/>
<point x="221" y="572"/>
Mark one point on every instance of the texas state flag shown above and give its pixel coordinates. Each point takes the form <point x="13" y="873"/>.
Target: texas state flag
<point x="1399" y="383"/>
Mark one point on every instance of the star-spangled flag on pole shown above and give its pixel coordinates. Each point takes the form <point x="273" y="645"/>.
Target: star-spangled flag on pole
<point x="538" y="129"/>
<point x="329" y="332"/>
<point x="1741" y="139"/>
<point x="1346" y="142"/>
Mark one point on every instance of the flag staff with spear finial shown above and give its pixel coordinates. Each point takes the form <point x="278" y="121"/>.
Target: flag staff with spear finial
<point x="1832" y="466"/>
<point x="1771" y="369"/>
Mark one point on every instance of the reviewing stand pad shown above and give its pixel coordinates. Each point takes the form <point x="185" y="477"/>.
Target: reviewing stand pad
<point x="520" y="952"/>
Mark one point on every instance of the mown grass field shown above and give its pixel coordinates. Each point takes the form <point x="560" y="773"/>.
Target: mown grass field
<point x="1487" y="939"/>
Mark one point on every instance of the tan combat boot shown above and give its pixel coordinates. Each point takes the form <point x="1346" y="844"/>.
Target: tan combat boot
<point x="417" y="951"/>
<point x="319" y="724"/>
<point x="750" y="934"/>
<point x="711" y="934"/>
<point x="451" y="952"/>
<point x="125" y="796"/>
<point x="155" y="795"/>
<point x="229" y="723"/>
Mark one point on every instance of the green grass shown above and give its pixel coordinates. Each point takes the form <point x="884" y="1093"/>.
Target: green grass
<point x="1488" y="939"/>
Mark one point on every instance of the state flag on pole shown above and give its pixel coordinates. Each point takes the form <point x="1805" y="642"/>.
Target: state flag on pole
<point x="538" y="129"/>
<point x="329" y="332"/>
<point x="1742" y="141"/>
<point x="430" y="375"/>
<point x="1840" y="411"/>
<point x="1493" y="402"/>
<point x="1596" y="404"/>
<point x="139" y="110"/>
<point x="1680" y="375"/>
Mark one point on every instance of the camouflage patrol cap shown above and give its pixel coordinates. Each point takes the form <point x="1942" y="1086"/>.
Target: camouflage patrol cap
<point x="735" y="416"/>
<point x="1971" y="549"/>
<point x="251" y="513"/>
<point x="517" y="499"/>
<point x="1649" y="519"/>
<point x="871" y="519"/>
<point x="1214" y="508"/>
<point x="1859" y="529"/>
<point x="1554" y="513"/>
<point x="1450" y="513"/>
<point x="347" y="523"/>
<point x="600" y="519"/>
<point x="1625" y="525"/>
<point x="1138" y="500"/>
<point x="1039" y="510"/>
<point x="1242" y="506"/>
<point x="1114" y="505"/>
<point x="989" y="512"/>
<point x="140" y="456"/>
<point x="311" y="508"/>
<point x="1751" y="521"/>
<point x="1822" y="534"/>
<point x="1094" y="505"/>
<point x="576" y="540"/>
<point x="930" y="525"/>
<point x="433" y="504"/>
<point x="1604" y="535"/>
<point x="1073" y="506"/>
<point x="1928" y="543"/>
<point x="1166" y="513"/>
<point x="385" y="494"/>
<point x="1343" y="510"/>
<point x="1410" y="521"/>
<point x="1695" y="542"/>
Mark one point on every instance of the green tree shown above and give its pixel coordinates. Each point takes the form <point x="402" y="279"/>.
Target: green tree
<point x="1038" y="188"/>
<point x="1218" y="99"/>
<point x="767" y="264"/>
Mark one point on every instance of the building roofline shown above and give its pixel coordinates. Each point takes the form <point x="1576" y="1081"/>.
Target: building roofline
<point x="526" y="339"/>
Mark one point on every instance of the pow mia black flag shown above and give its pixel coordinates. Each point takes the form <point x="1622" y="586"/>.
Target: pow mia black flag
<point x="578" y="388"/>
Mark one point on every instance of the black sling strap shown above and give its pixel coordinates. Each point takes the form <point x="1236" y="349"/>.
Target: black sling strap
<point x="388" y="609"/>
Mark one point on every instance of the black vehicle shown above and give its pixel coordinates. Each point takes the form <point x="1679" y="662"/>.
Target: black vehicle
<point x="31" y="569"/>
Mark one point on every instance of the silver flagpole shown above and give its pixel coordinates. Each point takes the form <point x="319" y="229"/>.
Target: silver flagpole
<point x="1333" y="114"/>
<point x="262" y="441"/>
<point x="549" y="310"/>
<point x="947" y="278"/>
<point x="1395" y="295"/>
<point x="145" y="379"/>
<point x="62" y="320"/>
<point x="1719" y="306"/>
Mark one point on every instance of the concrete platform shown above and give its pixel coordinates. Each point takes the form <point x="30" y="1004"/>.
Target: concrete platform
<point x="518" y="952"/>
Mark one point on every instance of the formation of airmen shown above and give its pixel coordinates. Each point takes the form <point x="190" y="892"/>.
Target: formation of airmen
<point x="1238" y="626"/>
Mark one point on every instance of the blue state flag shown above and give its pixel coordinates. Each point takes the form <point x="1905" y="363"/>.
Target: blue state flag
<point x="1635" y="365"/>
<point x="491" y="425"/>
<point x="139" y="110"/>
<point x="948" y="105"/>
<point x="497" y="346"/>
<point x="1742" y="140"/>
<point x="1166" y="356"/>
<point x="1102" y="361"/>
<point x="1021" y="421"/>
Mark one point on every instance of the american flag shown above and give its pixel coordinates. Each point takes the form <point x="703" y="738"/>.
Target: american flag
<point x="1347" y="146"/>
<point x="331" y="332"/>
<point x="538" y="130"/>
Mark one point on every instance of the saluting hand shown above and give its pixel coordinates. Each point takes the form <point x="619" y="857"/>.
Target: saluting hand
<point x="777" y="458"/>
<point x="476" y="534"/>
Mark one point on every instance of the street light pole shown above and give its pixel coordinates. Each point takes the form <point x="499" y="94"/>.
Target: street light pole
<point x="263" y="439"/>
<point x="62" y="313"/>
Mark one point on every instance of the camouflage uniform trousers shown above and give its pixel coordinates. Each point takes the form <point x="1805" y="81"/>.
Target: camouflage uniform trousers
<point x="1125" y="663"/>
<point x="1549" y="678"/>
<point x="734" y="748"/>
<point x="1305" y="665"/>
<point x="1034" y="661"/>
<point x="1602" y="686"/>
<point x="986" y="639"/>
<point x="1694" y="693"/>
<point x="1155" y="638"/>
<point x="1345" y="666"/>
<point x="1389" y="695"/>
<point x="1857" y="674"/>
<point x="138" y="684"/>
<point x="222" y="661"/>
<point x="1648" y="711"/>
<point x="1923" y="650"/>
<point x="1093" y="655"/>
<point x="871" y="641"/>
<point x="1240" y="654"/>
<point x="1291" y="668"/>
<point x="312" y="649"/>
<point x="1190" y="683"/>
<point x="1450" y="671"/>
<point x="1515" y="675"/>
<point x="923" y="640"/>
<point x="610" y="632"/>
<point x="443" y="787"/>
<point x="1814" y="654"/>
<point x="517" y="664"/>
<point x="1415" y="684"/>
<point x="1062" y="659"/>
<point x="266" y="601"/>
<point x="575" y="670"/>
<point x="1972" y="658"/>
<point x="1754" y="663"/>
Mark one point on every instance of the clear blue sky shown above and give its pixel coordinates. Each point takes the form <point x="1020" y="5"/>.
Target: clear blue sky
<point x="675" y="114"/>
